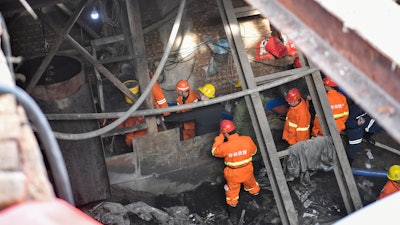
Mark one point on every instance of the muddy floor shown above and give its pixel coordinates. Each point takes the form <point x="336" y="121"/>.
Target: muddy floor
<point x="318" y="202"/>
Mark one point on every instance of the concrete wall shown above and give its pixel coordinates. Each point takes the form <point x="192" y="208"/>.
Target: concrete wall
<point x="160" y="164"/>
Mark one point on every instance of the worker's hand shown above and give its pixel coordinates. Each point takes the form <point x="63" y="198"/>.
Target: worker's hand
<point x="159" y="119"/>
<point x="360" y="121"/>
<point x="219" y="139"/>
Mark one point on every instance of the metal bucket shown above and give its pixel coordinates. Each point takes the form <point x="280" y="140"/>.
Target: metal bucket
<point x="133" y="86"/>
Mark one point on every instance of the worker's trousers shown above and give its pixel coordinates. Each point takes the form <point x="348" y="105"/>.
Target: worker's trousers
<point x="355" y="136"/>
<point x="234" y="178"/>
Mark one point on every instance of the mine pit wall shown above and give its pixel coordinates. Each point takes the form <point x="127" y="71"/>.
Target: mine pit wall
<point x="161" y="164"/>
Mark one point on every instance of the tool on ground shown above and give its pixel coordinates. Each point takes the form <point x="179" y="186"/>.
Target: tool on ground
<point x="380" y="145"/>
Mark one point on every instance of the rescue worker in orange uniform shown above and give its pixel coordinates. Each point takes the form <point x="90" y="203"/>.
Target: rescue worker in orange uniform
<point x="158" y="96"/>
<point x="298" y="118"/>
<point x="339" y="106"/>
<point x="132" y="121"/>
<point x="393" y="184"/>
<point x="237" y="152"/>
<point x="186" y="96"/>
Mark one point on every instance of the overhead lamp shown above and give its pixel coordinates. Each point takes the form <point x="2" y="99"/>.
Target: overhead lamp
<point x="94" y="14"/>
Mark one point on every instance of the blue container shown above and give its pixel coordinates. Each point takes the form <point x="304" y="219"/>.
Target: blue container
<point x="274" y="103"/>
<point x="172" y="103"/>
<point x="226" y="116"/>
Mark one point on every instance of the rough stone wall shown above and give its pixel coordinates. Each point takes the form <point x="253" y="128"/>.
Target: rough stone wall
<point x="191" y="54"/>
<point x="28" y="36"/>
<point x="202" y="22"/>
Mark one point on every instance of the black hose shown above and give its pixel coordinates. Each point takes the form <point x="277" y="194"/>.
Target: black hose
<point x="136" y="105"/>
<point x="48" y="140"/>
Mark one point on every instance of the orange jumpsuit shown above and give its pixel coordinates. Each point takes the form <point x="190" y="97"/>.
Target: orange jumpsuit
<point x="340" y="111"/>
<point x="159" y="98"/>
<point x="297" y="125"/>
<point x="131" y="121"/>
<point x="189" y="126"/>
<point x="389" y="188"/>
<point x="237" y="153"/>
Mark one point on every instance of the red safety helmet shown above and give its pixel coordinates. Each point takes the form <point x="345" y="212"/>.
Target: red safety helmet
<point x="297" y="62"/>
<point x="226" y="126"/>
<point x="329" y="82"/>
<point x="182" y="85"/>
<point x="293" y="95"/>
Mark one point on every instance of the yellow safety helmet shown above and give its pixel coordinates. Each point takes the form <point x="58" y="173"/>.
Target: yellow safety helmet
<point x="394" y="173"/>
<point x="208" y="90"/>
<point x="238" y="84"/>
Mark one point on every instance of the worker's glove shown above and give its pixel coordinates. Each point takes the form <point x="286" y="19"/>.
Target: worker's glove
<point x="219" y="139"/>
<point x="360" y="121"/>
<point x="159" y="120"/>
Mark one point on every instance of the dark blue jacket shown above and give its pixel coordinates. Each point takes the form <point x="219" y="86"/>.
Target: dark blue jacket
<point x="207" y="118"/>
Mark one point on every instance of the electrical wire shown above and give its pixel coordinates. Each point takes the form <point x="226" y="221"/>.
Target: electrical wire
<point x="51" y="147"/>
<point x="115" y="12"/>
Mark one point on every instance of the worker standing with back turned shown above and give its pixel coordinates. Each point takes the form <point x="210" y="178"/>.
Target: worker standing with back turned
<point x="159" y="99"/>
<point x="237" y="152"/>
<point x="339" y="106"/>
<point x="186" y="96"/>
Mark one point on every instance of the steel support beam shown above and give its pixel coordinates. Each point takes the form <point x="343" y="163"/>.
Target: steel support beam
<point x="367" y="76"/>
<point x="276" y="176"/>
<point x="343" y="173"/>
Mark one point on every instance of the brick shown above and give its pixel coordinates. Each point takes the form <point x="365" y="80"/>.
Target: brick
<point x="12" y="188"/>
<point x="9" y="159"/>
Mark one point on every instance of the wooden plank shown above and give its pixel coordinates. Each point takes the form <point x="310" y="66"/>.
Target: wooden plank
<point x="140" y="62"/>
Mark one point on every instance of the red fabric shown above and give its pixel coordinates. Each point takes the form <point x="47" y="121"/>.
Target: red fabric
<point x="237" y="153"/>
<point x="340" y="111"/>
<point x="389" y="188"/>
<point x="297" y="124"/>
<point x="131" y="121"/>
<point x="189" y="126"/>
<point x="48" y="212"/>
<point x="159" y="98"/>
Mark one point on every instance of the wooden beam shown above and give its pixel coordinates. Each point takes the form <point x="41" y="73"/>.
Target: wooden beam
<point x="140" y="63"/>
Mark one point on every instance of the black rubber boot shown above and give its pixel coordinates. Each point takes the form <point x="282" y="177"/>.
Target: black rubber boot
<point x="233" y="214"/>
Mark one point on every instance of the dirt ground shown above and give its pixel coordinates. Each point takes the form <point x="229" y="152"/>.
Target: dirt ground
<point x="319" y="202"/>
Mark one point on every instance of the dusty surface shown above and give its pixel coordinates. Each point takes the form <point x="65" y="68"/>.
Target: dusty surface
<point x="317" y="203"/>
